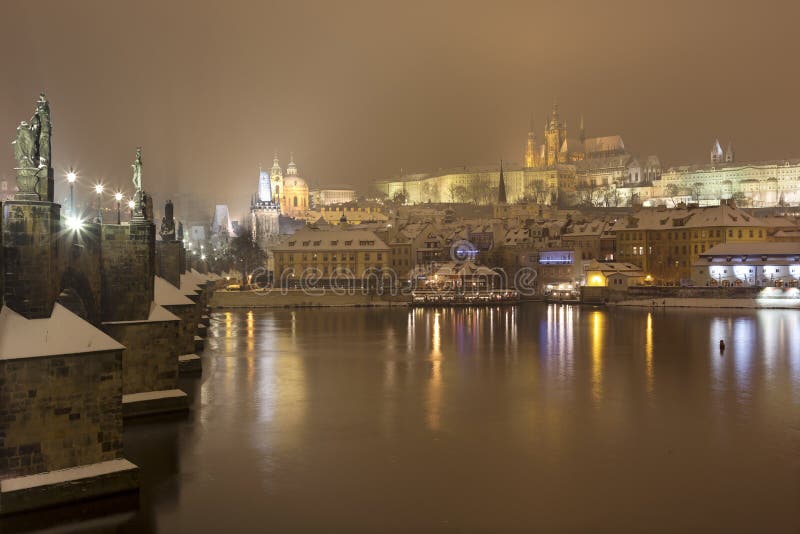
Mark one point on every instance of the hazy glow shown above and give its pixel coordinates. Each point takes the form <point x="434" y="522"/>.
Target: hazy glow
<point x="99" y="188"/>
<point x="74" y="223"/>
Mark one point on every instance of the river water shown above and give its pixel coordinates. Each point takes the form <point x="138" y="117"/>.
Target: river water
<point x="537" y="417"/>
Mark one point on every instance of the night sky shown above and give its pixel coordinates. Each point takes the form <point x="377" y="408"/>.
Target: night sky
<point x="360" y="90"/>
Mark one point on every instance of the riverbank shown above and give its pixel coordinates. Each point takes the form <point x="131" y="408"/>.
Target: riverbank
<point x="301" y="299"/>
<point x="718" y="303"/>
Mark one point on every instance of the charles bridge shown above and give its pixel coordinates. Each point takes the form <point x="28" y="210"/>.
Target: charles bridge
<point x="97" y="322"/>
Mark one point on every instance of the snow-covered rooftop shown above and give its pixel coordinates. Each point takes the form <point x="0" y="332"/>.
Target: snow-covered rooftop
<point x="168" y="295"/>
<point x="756" y="248"/>
<point x="60" y="334"/>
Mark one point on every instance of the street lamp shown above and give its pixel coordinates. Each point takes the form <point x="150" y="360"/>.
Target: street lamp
<point x="71" y="177"/>
<point x="118" y="198"/>
<point x="99" y="190"/>
<point x="131" y="205"/>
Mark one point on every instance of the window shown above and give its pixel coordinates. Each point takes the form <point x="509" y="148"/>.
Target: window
<point x="295" y="202"/>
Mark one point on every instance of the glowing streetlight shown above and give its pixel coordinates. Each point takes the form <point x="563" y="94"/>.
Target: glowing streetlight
<point x="131" y="205"/>
<point x="71" y="177"/>
<point x="98" y="188"/>
<point x="118" y="198"/>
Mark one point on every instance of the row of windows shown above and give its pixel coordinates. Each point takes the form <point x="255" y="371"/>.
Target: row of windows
<point x="634" y="236"/>
<point x="315" y="257"/>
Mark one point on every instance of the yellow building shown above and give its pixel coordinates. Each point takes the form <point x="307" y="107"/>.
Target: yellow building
<point x="332" y="257"/>
<point x="351" y="214"/>
<point x="666" y="242"/>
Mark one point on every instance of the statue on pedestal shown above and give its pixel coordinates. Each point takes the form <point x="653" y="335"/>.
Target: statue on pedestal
<point x="137" y="170"/>
<point x="24" y="146"/>
<point x="43" y="130"/>
<point x="140" y="198"/>
<point x="32" y="152"/>
<point x="167" y="230"/>
<point x="180" y="231"/>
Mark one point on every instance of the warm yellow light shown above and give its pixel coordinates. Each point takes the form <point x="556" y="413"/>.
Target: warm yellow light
<point x="596" y="280"/>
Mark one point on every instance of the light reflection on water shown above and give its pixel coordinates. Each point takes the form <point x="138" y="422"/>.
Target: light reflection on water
<point x="489" y="419"/>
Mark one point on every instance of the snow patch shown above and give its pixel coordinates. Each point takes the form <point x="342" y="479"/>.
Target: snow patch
<point x="73" y="474"/>
<point x="62" y="333"/>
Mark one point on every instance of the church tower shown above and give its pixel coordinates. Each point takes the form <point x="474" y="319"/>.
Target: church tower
<point x="501" y="191"/>
<point x="582" y="132"/>
<point x="716" y="152"/>
<point x="530" y="149"/>
<point x="729" y="154"/>
<point x="265" y="212"/>
<point x="276" y="177"/>
<point x="554" y="137"/>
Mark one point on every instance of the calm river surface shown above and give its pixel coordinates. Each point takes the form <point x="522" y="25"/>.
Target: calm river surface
<point x="540" y="417"/>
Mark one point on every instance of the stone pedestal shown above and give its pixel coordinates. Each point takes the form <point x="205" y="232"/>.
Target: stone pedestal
<point x="169" y="261"/>
<point x="128" y="268"/>
<point x="149" y="363"/>
<point x="60" y="412"/>
<point x="173" y="299"/>
<point x="30" y="256"/>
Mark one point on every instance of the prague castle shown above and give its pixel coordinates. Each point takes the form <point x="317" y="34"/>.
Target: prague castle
<point x="560" y="170"/>
<point x="567" y="171"/>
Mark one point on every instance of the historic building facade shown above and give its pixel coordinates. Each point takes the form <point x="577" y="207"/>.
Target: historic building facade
<point x="289" y="190"/>
<point x="561" y="169"/>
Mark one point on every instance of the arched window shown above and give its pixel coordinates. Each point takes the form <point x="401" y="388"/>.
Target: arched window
<point x="295" y="201"/>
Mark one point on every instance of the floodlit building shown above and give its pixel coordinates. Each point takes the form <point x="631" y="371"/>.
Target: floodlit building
<point x="561" y="169"/>
<point x="665" y="243"/>
<point x="614" y="275"/>
<point x="332" y="196"/>
<point x="749" y="264"/>
<point x="289" y="190"/>
<point x="347" y="257"/>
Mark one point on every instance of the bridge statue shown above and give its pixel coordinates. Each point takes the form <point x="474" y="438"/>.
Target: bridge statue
<point x="137" y="170"/>
<point x="167" y="230"/>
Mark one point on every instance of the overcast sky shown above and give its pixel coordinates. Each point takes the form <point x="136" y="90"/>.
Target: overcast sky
<point x="361" y="90"/>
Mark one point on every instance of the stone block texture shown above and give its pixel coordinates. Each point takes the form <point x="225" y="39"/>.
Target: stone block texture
<point x="150" y="358"/>
<point x="59" y="412"/>
<point x="128" y="269"/>
<point x="190" y="315"/>
<point x="30" y="257"/>
<point x="168" y="261"/>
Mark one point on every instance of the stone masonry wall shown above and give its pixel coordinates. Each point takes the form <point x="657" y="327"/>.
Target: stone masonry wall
<point x="188" y="326"/>
<point x="59" y="412"/>
<point x="168" y="261"/>
<point x="128" y="270"/>
<point x="150" y="358"/>
<point x="30" y="249"/>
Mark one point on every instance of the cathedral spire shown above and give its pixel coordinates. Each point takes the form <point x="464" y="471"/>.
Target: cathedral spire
<point x="582" y="131"/>
<point x="501" y="191"/>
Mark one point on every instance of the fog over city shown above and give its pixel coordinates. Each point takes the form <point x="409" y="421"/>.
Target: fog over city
<point x="359" y="91"/>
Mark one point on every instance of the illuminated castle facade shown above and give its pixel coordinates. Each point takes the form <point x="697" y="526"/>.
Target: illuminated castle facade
<point x="561" y="169"/>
